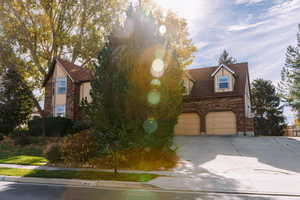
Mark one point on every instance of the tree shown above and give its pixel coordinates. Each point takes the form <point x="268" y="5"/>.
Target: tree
<point x="49" y="29"/>
<point x="136" y="88"/>
<point x="289" y="85"/>
<point x="15" y="103"/>
<point x="226" y="59"/>
<point x="269" y="119"/>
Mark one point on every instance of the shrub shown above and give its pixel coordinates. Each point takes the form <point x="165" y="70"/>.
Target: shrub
<point x="79" y="148"/>
<point x="79" y="125"/>
<point x="22" y="140"/>
<point x="1" y="136"/>
<point x="141" y="158"/>
<point x="18" y="133"/>
<point x="55" y="126"/>
<point x="53" y="153"/>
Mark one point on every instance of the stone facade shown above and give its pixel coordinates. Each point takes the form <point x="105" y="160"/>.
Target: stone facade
<point x="235" y="104"/>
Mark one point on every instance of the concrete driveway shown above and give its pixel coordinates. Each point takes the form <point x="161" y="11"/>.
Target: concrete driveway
<point x="238" y="164"/>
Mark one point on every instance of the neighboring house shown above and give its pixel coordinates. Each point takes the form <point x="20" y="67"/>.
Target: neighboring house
<point x="65" y="85"/>
<point x="216" y="102"/>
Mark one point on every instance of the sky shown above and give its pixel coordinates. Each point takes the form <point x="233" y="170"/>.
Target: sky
<point x="253" y="31"/>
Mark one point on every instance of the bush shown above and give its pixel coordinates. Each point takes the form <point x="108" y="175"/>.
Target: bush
<point x="141" y="158"/>
<point x="79" y="126"/>
<point x="1" y="136"/>
<point x="22" y="140"/>
<point x="79" y="148"/>
<point x="55" y="126"/>
<point x="53" y="153"/>
<point x="18" y="133"/>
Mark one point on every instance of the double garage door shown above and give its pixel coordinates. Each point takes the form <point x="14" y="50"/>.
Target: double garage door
<point x="217" y="123"/>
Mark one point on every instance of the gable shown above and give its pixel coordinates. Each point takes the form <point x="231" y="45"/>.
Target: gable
<point x="74" y="72"/>
<point x="204" y="82"/>
<point x="222" y="66"/>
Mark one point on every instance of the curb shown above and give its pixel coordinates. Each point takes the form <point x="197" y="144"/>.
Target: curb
<point x="78" y="182"/>
<point x="129" y="185"/>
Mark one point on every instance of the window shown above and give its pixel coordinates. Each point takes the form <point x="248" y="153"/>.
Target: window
<point x="60" y="111"/>
<point x="186" y="87"/>
<point x="223" y="82"/>
<point x="61" y="85"/>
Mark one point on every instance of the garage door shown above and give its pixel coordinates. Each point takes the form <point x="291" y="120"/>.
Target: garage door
<point x="220" y="123"/>
<point x="188" y="124"/>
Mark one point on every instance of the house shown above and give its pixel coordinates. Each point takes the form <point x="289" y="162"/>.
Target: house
<point x="216" y="99"/>
<point x="217" y="102"/>
<point x="65" y="85"/>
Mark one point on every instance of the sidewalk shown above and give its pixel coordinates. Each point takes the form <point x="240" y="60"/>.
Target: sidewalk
<point x="200" y="180"/>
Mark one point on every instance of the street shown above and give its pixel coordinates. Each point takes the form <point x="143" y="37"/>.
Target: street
<point x="21" y="191"/>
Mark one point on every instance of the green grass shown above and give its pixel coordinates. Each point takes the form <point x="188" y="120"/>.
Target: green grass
<point x="11" y="154"/>
<point x="84" y="175"/>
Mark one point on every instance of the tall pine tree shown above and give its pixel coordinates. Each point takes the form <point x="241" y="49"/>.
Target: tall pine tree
<point x="15" y="102"/>
<point x="290" y="77"/>
<point x="136" y="88"/>
<point x="226" y="59"/>
<point x="269" y="119"/>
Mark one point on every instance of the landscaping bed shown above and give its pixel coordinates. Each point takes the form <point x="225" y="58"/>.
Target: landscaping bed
<point x="84" y="175"/>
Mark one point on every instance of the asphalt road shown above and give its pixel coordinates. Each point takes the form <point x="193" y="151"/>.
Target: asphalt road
<point x="21" y="191"/>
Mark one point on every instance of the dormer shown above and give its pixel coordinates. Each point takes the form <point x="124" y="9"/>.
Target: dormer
<point x="224" y="79"/>
<point x="188" y="83"/>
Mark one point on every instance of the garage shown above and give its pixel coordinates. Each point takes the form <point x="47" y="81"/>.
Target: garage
<point x="188" y="124"/>
<point x="221" y="123"/>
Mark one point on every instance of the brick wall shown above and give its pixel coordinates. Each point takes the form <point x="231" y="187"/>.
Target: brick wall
<point x="48" y="108"/>
<point x="234" y="104"/>
<point x="70" y="102"/>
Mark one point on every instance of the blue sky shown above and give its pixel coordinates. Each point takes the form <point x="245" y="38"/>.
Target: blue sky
<point x="253" y="31"/>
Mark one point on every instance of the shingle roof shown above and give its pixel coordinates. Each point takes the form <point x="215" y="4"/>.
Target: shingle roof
<point x="204" y="82"/>
<point x="77" y="73"/>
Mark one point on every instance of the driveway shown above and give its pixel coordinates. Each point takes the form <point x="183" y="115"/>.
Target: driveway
<point x="243" y="164"/>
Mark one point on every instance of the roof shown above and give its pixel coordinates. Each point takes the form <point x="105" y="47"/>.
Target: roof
<point x="204" y="82"/>
<point x="76" y="73"/>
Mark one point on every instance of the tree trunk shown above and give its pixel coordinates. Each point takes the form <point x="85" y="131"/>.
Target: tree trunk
<point x="115" y="162"/>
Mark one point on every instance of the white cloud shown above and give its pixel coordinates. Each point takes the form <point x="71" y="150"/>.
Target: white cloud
<point x="248" y="1"/>
<point x="242" y="27"/>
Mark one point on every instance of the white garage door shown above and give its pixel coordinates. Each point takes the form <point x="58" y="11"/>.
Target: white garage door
<point x="221" y="123"/>
<point x="188" y="124"/>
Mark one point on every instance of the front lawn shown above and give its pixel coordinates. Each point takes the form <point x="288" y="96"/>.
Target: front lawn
<point x="84" y="175"/>
<point x="23" y="155"/>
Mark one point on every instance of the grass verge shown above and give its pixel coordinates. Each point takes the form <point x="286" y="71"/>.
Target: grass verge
<point x="84" y="175"/>
<point x="22" y="155"/>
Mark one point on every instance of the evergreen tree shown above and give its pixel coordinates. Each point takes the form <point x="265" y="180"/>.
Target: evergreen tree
<point x="226" y="59"/>
<point x="289" y="85"/>
<point x="136" y="89"/>
<point x="269" y="119"/>
<point x="15" y="103"/>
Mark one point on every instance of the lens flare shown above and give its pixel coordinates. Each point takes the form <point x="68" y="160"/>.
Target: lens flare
<point x="162" y="29"/>
<point x="154" y="97"/>
<point x="160" y="53"/>
<point x="155" y="83"/>
<point x="150" y="125"/>
<point x="157" y="68"/>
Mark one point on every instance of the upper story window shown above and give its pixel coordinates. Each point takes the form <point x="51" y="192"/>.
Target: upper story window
<point x="60" y="111"/>
<point x="223" y="82"/>
<point x="61" y="85"/>
<point x="186" y="87"/>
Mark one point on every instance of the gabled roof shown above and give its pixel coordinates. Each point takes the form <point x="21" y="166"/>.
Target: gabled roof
<point x="75" y="72"/>
<point x="220" y="67"/>
<point x="204" y="82"/>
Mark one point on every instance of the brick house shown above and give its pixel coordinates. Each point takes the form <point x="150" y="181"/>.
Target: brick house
<point x="216" y="101"/>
